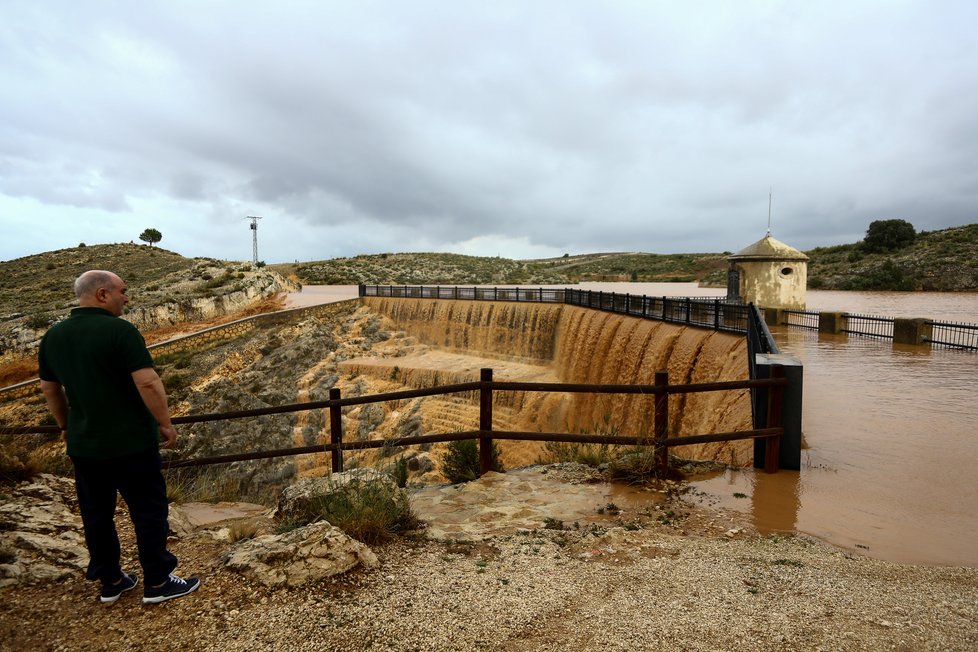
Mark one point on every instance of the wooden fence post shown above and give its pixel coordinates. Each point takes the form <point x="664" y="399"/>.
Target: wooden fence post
<point x="336" y="430"/>
<point x="772" y="450"/>
<point x="660" y="422"/>
<point x="485" y="422"/>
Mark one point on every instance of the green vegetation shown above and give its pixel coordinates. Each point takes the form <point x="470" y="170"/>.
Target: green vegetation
<point x="152" y="236"/>
<point x="211" y="484"/>
<point x="461" y="461"/>
<point x="41" y="285"/>
<point x="945" y="260"/>
<point x="22" y="458"/>
<point x="454" y="269"/>
<point x="557" y="452"/>
<point x="892" y="257"/>
<point x="370" y="511"/>
<point x="888" y="235"/>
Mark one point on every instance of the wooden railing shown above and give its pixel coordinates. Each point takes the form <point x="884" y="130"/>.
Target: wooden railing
<point x="485" y="434"/>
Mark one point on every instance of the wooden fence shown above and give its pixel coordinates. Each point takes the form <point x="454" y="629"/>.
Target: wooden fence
<point x="485" y="434"/>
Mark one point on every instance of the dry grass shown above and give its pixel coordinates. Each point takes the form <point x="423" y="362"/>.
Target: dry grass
<point x="268" y="304"/>
<point x="17" y="370"/>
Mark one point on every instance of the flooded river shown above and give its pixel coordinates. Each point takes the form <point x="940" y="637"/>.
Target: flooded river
<point x="893" y="444"/>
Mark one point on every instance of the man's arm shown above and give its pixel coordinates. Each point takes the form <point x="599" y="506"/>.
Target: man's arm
<point x="57" y="402"/>
<point x="154" y="396"/>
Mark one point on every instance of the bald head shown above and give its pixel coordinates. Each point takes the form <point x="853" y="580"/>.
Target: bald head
<point x="98" y="288"/>
<point x="91" y="281"/>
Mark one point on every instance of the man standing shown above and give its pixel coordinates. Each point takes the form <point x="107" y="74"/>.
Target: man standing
<point x="98" y="379"/>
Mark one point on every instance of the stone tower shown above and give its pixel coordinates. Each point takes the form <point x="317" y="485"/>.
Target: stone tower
<point x="769" y="274"/>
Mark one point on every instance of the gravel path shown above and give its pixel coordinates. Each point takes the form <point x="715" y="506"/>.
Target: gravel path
<point x="592" y="589"/>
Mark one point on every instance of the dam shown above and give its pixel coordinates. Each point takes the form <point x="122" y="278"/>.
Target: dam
<point x="888" y="435"/>
<point x="566" y="344"/>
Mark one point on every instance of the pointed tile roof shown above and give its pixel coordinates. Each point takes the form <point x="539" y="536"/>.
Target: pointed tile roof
<point x="767" y="248"/>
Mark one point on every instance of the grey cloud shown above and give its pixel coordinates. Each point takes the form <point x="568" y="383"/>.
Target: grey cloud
<point x="595" y="126"/>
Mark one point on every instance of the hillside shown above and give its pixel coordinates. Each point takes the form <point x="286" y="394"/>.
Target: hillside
<point x="945" y="260"/>
<point x="455" y="269"/>
<point x="164" y="288"/>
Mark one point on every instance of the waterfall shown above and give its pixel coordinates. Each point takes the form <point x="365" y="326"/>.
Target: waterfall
<point x="563" y="343"/>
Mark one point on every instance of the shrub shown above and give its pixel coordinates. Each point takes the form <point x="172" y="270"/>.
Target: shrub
<point x="175" y="381"/>
<point x="888" y="276"/>
<point x="242" y="529"/>
<point x="461" y="461"/>
<point x="589" y="454"/>
<point x="209" y="484"/>
<point x="37" y="322"/>
<point x="888" y="235"/>
<point x="400" y="472"/>
<point x="370" y="511"/>
<point x="637" y="466"/>
<point x="19" y="461"/>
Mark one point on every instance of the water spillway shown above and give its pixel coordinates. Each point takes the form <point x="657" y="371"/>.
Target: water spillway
<point x="570" y="344"/>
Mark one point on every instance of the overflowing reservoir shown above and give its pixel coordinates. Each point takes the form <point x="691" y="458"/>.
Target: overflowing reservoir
<point x="891" y="444"/>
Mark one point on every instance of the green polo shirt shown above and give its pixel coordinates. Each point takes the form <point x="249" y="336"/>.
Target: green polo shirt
<point x="93" y="354"/>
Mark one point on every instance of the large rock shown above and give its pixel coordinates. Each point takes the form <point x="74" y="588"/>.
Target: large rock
<point x="40" y="535"/>
<point x="302" y="556"/>
<point x="299" y="499"/>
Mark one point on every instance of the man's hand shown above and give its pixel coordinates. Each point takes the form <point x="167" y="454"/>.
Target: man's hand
<point x="169" y="436"/>
<point x="151" y="389"/>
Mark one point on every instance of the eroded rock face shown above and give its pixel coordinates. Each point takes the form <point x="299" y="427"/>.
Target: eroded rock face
<point x="302" y="556"/>
<point x="40" y="535"/>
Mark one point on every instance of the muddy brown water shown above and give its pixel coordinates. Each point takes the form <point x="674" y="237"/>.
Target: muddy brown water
<point x="890" y="471"/>
<point x="893" y="447"/>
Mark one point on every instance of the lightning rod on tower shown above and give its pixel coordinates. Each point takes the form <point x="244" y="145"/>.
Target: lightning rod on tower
<point x="770" y="194"/>
<point x="254" y="237"/>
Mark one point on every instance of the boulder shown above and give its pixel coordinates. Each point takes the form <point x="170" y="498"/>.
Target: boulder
<point x="179" y="522"/>
<point x="421" y="464"/>
<point x="300" y="557"/>
<point x="299" y="499"/>
<point x="40" y="535"/>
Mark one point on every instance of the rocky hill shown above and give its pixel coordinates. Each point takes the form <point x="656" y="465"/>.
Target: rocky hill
<point x="164" y="288"/>
<point x="454" y="269"/>
<point x="945" y="260"/>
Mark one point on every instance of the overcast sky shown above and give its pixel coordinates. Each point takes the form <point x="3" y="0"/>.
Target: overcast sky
<point x="520" y="129"/>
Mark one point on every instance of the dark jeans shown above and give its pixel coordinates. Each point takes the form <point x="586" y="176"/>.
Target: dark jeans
<point x="138" y="477"/>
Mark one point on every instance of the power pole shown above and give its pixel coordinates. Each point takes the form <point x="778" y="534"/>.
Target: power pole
<point x="254" y="237"/>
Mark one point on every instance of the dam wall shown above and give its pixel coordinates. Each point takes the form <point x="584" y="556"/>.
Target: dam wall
<point x="570" y="344"/>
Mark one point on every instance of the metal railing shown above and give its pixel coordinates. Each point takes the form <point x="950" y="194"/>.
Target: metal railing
<point x="708" y="312"/>
<point x="869" y="325"/>
<point x="939" y="334"/>
<point x="801" y="318"/>
<point x="953" y="335"/>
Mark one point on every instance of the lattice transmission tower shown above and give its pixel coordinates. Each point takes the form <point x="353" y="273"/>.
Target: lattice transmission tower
<point x="254" y="237"/>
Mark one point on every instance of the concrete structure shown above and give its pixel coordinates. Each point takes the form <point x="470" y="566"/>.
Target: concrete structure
<point x="769" y="274"/>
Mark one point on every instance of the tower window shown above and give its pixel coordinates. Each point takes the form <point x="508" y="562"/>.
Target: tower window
<point x="787" y="271"/>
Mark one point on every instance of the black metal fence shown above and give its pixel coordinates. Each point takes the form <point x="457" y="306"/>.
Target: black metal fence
<point x="952" y="335"/>
<point x="940" y="334"/>
<point x="801" y="319"/>
<point x="869" y="325"/>
<point x="708" y="312"/>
